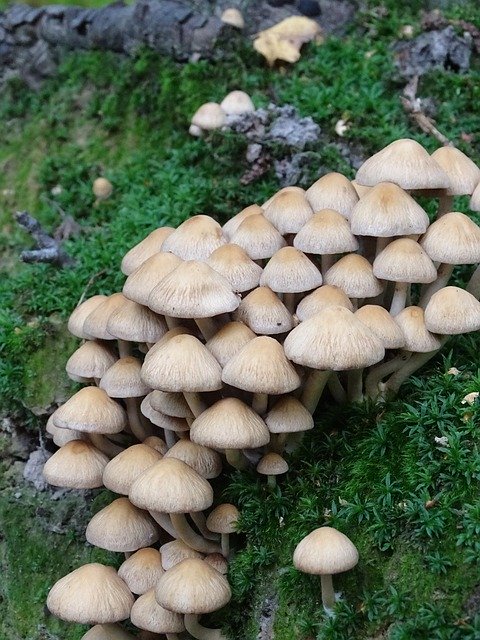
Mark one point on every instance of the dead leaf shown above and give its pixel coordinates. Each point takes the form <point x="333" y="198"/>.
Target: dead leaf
<point x="284" y="40"/>
<point x="470" y="398"/>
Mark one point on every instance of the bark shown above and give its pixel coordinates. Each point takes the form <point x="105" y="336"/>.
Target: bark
<point x="48" y="249"/>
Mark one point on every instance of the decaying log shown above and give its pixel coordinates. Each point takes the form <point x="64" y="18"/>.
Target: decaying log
<point x="48" y="248"/>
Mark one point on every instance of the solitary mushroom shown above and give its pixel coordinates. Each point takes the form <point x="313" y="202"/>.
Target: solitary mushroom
<point x="102" y="189"/>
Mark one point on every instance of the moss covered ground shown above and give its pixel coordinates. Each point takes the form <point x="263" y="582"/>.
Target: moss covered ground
<point x="409" y="502"/>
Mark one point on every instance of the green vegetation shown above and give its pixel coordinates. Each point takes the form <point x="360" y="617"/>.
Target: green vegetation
<point x="370" y="471"/>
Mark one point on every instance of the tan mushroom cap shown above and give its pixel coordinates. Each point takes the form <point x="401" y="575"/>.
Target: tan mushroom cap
<point x="122" y="470"/>
<point x="123" y="379"/>
<point x="121" y="526"/>
<point x="451" y="311"/>
<point x="91" y="410"/>
<point x="174" y="552"/>
<point x="171" y="486"/>
<point x="161" y="419"/>
<point x="264" y="313"/>
<point x="81" y="313"/>
<point x="170" y="404"/>
<point x="233" y="263"/>
<point x="354" y="275"/>
<point x="145" y="249"/>
<point x="156" y="443"/>
<point x="148" y="614"/>
<point x="102" y="188"/>
<point x="320" y="299"/>
<point x="382" y="324"/>
<point x="95" y="325"/>
<point x="204" y="460"/>
<point x="326" y="233"/>
<point x="90" y="360"/>
<point x="258" y="237"/>
<point x="233" y="17"/>
<point x="406" y="163"/>
<point x="141" y="570"/>
<point x="233" y="223"/>
<point x="261" y="367"/>
<point x="193" y="290"/>
<point x="404" y="260"/>
<point x="136" y="323"/>
<point x="229" y="424"/>
<point x="453" y="239"/>
<point x="272" y="464"/>
<point x="290" y="271"/>
<point x="288" y="211"/>
<point x="61" y="436"/>
<point x="293" y="189"/>
<point x="237" y="102"/>
<point x="218" y="562"/>
<point x="475" y="199"/>
<point x="77" y="465"/>
<point x="334" y="340"/>
<point x="182" y="363"/>
<point x="288" y="415"/>
<point x="193" y="587"/>
<point x="107" y="632"/>
<point x="195" y="239"/>
<point x="228" y="341"/>
<point x="140" y="282"/>
<point x="462" y="172"/>
<point x="386" y="211"/>
<point x="333" y="191"/>
<point x="325" y="551"/>
<point x="209" y="116"/>
<point x="411" y="321"/>
<point x="223" y="519"/>
<point x="360" y="188"/>
<point x="91" y="594"/>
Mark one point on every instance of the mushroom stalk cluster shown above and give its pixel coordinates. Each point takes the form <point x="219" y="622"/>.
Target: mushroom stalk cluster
<point x="218" y="351"/>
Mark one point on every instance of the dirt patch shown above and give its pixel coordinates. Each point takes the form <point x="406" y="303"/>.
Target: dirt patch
<point x="267" y="618"/>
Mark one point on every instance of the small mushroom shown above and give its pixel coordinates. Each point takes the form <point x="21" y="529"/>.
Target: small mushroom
<point x="223" y="520"/>
<point x="272" y="465"/>
<point x="233" y="17"/>
<point x="102" y="189"/>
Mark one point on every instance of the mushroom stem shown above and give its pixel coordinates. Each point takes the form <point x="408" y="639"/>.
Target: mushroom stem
<point x="196" y="404"/>
<point x="260" y="403"/>
<point x="124" y="348"/>
<point x="399" y="298"/>
<point x="201" y="524"/>
<point x="444" y="272"/>
<point x="381" y="244"/>
<point x="172" y="322"/>
<point x="328" y="594"/>
<point x="355" y="386"/>
<point x="277" y="442"/>
<point x="196" y="630"/>
<point x="172" y="636"/>
<point x="290" y="300"/>
<point x="418" y="360"/>
<point x="97" y="381"/>
<point x="103" y="444"/>
<point x="169" y="438"/>
<point x="236" y="458"/>
<point x="336" y="388"/>
<point x="272" y="482"/>
<point x="445" y="204"/>
<point x="473" y="285"/>
<point x="164" y="521"/>
<point x="226" y="545"/>
<point x="376" y="375"/>
<point x="326" y="262"/>
<point x="313" y="389"/>
<point x="207" y="326"/>
<point x="135" y="422"/>
<point x="188" y="535"/>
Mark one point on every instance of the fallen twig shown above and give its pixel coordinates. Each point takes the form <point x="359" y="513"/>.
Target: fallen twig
<point x="48" y="248"/>
<point x="413" y="106"/>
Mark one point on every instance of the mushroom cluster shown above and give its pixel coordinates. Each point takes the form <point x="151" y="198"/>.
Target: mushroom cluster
<point x="218" y="350"/>
<point x="212" y="115"/>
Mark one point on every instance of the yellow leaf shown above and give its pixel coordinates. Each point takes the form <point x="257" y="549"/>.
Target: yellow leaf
<point x="284" y="40"/>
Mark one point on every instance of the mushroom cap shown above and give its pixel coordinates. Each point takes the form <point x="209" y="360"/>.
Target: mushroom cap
<point x="209" y="116"/>
<point x="90" y="410"/>
<point x="95" y="325"/>
<point x="184" y="364"/>
<point x="176" y="551"/>
<point x="193" y="290"/>
<point x="156" y="443"/>
<point x="123" y="379"/>
<point x="290" y="271"/>
<point x="102" y="188"/>
<point x="320" y="299"/>
<point x="326" y="233"/>
<point x="295" y="189"/>
<point x="141" y="252"/>
<point x="141" y="570"/>
<point x="161" y="419"/>
<point x="354" y="275"/>
<point x="228" y="341"/>
<point x="261" y="367"/>
<point x="288" y="211"/>
<point x="136" y="323"/>
<point x="334" y="340"/>
<point x="404" y="260"/>
<point x="81" y="313"/>
<point x="405" y="163"/>
<point x="204" y="460"/>
<point x="62" y="436"/>
<point x="193" y="587"/>
<point x="272" y="464"/>
<point x="258" y="237"/>
<point x="223" y="519"/>
<point x="475" y="199"/>
<point x="333" y="191"/>
<point x="146" y="276"/>
<point x="453" y="239"/>
<point x="418" y="339"/>
<point x="382" y="324"/>
<point x="325" y="551"/>
<point x="218" y="562"/>
<point x="264" y="312"/>
<point x="171" y="486"/>
<point x="288" y="415"/>
<point x="195" y="238"/>
<point x="233" y="263"/>
<point x="462" y="172"/>
<point x="233" y="17"/>
<point x="77" y="465"/>
<point x="148" y="614"/>
<point x="91" y="594"/>
<point x="229" y="424"/>
<point x="232" y="225"/>
<point x="237" y="102"/>
<point x="451" y="311"/>
<point x="386" y="211"/>
<point x="107" y="632"/>
<point x="90" y="360"/>
<point x="360" y="188"/>
<point x="121" y="526"/>
<point x="169" y="403"/>
<point x="122" y="470"/>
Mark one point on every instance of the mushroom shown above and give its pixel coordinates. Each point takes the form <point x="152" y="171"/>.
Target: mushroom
<point x="77" y="465"/>
<point x="102" y="189"/>
<point x="174" y="552"/>
<point x="233" y="223"/>
<point x="208" y="117"/>
<point x="272" y="465"/>
<point x="141" y="252"/>
<point x="354" y="275"/>
<point x="288" y="415"/>
<point x="288" y="211"/>
<point x="223" y="519"/>
<point x="258" y="237"/>
<point x="228" y="341"/>
<point x="264" y="313"/>
<point x="237" y="103"/>
<point x="233" y="17"/>
<point x="81" y="313"/>
<point x="141" y="570"/>
<point x="332" y="191"/>
<point x="90" y="361"/>
<point x="107" y="632"/>
<point x="122" y="471"/>
<point x="320" y="299"/>
<point x="462" y="172"/>
<point x="149" y="615"/>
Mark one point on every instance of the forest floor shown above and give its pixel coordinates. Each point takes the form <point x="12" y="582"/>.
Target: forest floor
<point x="402" y="480"/>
